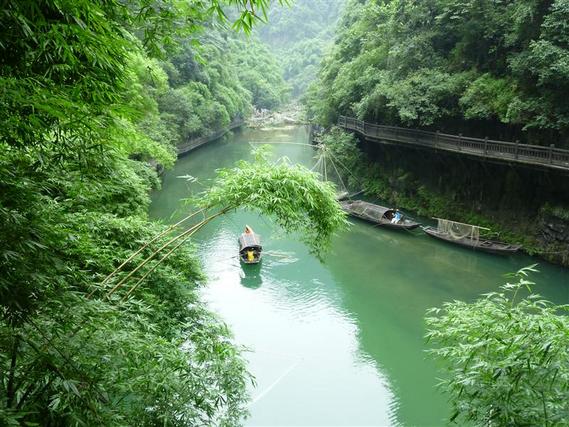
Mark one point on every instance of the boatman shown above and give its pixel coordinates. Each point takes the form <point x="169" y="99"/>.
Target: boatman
<point x="250" y="255"/>
<point x="396" y="217"/>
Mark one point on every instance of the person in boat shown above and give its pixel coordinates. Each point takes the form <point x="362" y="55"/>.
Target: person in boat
<point x="396" y="217"/>
<point x="250" y="255"/>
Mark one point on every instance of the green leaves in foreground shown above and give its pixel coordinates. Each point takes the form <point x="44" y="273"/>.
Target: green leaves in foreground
<point x="294" y="196"/>
<point x="507" y="360"/>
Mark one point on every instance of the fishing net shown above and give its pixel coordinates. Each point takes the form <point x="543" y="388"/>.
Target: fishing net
<point x="458" y="231"/>
<point x="328" y="169"/>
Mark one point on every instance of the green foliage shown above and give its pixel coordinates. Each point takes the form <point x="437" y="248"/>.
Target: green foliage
<point x="507" y="356"/>
<point x="561" y="212"/>
<point x="157" y="358"/>
<point x="488" y="97"/>
<point x="291" y="194"/>
<point x="450" y="64"/>
<point x="216" y="82"/>
<point x="425" y="96"/>
<point x="260" y="73"/>
<point x="300" y="35"/>
<point x="81" y="115"/>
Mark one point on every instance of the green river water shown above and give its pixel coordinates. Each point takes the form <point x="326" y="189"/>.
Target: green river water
<point x="339" y="342"/>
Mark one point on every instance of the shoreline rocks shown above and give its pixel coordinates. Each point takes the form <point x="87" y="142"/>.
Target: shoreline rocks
<point x="289" y="115"/>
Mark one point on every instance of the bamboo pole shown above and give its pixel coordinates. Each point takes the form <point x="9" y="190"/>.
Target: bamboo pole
<point x="339" y="176"/>
<point x="144" y="247"/>
<point x="156" y="252"/>
<point x="462" y="223"/>
<point x="324" y="157"/>
<point x="284" y="143"/>
<point x="200" y="225"/>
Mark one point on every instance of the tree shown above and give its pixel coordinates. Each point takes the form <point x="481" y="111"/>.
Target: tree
<point x="507" y="356"/>
<point x="299" y="36"/>
<point x="79" y="118"/>
<point x="463" y="66"/>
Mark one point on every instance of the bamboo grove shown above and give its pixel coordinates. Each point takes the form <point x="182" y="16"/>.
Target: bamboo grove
<point x="90" y="93"/>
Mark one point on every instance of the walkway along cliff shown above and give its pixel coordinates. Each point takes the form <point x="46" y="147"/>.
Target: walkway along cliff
<point x="488" y="150"/>
<point x="192" y="144"/>
<point x="519" y="190"/>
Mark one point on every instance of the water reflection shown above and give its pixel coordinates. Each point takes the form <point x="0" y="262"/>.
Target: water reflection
<point x="251" y="276"/>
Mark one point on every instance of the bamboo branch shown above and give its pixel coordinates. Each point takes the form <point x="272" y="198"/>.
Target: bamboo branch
<point x="157" y="251"/>
<point x="200" y="225"/>
<point x="144" y="247"/>
<point x="147" y="260"/>
<point x="10" y="390"/>
<point x="58" y="372"/>
<point x="27" y="392"/>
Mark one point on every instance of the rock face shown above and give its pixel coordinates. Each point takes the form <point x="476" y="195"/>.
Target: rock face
<point x="554" y="236"/>
<point x="290" y="114"/>
<point x="159" y="168"/>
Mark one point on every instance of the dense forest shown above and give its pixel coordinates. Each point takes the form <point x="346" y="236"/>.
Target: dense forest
<point x="477" y="68"/>
<point x="204" y="84"/>
<point x="90" y="91"/>
<point x="485" y="68"/>
<point x="300" y="36"/>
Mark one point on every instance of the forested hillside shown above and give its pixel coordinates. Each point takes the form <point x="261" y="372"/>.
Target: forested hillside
<point x="89" y="91"/>
<point x="204" y="84"/>
<point x="480" y="68"/>
<point x="299" y="36"/>
<point x="496" y="68"/>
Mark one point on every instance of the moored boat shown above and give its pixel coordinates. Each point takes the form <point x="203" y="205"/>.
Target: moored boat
<point x="380" y="215"/>
<point x="468" y="236"/>
<point x="250" y="248"/>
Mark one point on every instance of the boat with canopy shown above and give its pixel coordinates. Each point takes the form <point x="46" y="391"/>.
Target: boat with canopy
<point x="380" y="215"/>
<point x="250" y="246"/>
<point x="468" y="235"/>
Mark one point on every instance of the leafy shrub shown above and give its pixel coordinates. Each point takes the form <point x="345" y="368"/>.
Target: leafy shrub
<point x="507" y="356"/>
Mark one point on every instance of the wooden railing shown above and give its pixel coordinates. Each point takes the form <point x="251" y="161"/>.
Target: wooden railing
<point x="198" y="142"/>
<point x="537" y="155"/>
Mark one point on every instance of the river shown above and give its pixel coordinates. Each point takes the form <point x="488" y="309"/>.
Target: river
<point x="338" y="343"/>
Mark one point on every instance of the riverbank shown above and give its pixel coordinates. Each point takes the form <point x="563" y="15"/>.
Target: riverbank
<point x="194" y="143"/>
<point x="291" y="114"/>
<point x="434" y="186"/>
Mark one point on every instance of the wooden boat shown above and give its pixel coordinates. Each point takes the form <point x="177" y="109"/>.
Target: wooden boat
<point x="250" y="247"/>
<point x="468" y="236"/>
<point x="379" y="215"/>
<point x="342" y="195"/>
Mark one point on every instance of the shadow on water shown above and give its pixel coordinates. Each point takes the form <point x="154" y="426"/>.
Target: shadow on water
<point x="251" y="275"/>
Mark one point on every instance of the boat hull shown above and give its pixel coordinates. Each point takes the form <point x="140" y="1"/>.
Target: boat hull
<point x="483" y="245"/>
<point x="406" y="225"/>
<point x="378" y="215"/>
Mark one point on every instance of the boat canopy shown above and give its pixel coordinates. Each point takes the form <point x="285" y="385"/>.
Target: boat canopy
<point x="249" y="241"/>
<point x="370" y="210"/>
